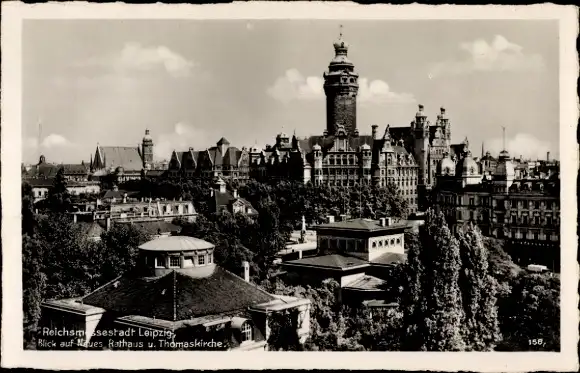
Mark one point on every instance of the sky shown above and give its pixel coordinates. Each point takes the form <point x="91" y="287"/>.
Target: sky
<point x="190" y="82"/>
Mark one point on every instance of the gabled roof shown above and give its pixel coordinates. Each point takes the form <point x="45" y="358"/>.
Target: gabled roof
<point x="232" y="156"/>
<point x="118" y="193"/>
<point x="75" y="169"/>
<point x="223" y="141"/>
<point x="177" y="296"/>
<point x="226" y="199"/>
<point x="366" y="283"/>
<point x="126" y="157"/>
<point x="332" y="261"/>
<point x="390" y="258"/>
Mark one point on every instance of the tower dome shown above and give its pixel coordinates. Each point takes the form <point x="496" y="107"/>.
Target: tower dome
<point x="340" y="45"/>
<point x="467" y="165"/>
<point x="447" y="166"/>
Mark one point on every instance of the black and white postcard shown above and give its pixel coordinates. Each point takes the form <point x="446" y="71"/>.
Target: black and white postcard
<point x="289" y="179"/>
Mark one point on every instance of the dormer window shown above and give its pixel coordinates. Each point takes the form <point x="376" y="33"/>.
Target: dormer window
<point x="247" y="332"/>
<point x="160" y="262"/>
<point x="201" y="260"/>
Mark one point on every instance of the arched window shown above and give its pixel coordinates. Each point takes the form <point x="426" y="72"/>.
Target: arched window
<point x="247" y="332"/>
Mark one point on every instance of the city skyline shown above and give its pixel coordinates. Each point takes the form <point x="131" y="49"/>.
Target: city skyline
<point x="170" y="78"/>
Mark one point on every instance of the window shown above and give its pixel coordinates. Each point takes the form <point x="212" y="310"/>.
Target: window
<point x="549" y="220"/>
<point x="381" y="243"/>
<point x="209" y="258"/>
<point x="398" y="241"/>
<point x="246" y="332"/>
<point x="160" y="262"/>
<point x="392" y="241"/>
<point x="174" y="261"/>
<point x="537" y="205"/>
<point x="374" y="244"/>
<point x="471" y="201"/>
<point x="201" y="260"/>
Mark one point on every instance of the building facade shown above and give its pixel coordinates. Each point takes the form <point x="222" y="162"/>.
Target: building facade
<point x="117" y="164"/>
<point x="341" y="156"/>
<point x="522" y="209"/>
<point x="223" y="161"/>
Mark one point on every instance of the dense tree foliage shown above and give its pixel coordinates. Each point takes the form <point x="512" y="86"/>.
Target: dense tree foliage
<point x="294" y="199"/>
<point x="530" y="316"/>
<point x="59" y="261"/>
<point x="478" y="289"/>
<point x="436" y="312"/>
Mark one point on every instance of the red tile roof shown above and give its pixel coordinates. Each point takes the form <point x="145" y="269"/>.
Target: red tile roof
<point x="176" y="296"/>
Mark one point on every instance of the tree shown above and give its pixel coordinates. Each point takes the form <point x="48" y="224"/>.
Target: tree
<point x="437" y="314"/>
<point x="284" y="330"/>
<point x="530" y="317"/>
<point x="119" y="250"/>
<point x="33" y="286"/>
<point x="478" y="289"/>
<point x="59" y="198"/>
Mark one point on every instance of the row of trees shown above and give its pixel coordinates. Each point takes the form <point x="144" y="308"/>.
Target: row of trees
<point x="294" y="199"/>
<point x="460" y="293"/>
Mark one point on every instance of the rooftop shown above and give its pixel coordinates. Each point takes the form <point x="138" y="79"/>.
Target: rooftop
<point x="332" y="261"/>
<point x="176" y="243"/>
<point x="176" y="296"/>
<point x="367" y="225"/>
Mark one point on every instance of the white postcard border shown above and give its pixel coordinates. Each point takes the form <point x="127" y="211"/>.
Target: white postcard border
<point x="12" y="353"/>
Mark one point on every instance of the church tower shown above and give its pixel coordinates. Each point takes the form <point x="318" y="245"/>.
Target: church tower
<point x="147" y="150"/>
<point x="341" y="88"/>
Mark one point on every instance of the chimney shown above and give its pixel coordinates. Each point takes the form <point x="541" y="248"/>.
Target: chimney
<point x="125" y="198"/>
<point x="548" y="157"/>
<point x="374" y="132"/>
<point x="74" y="218"/>
<point x="303" y="224"/>
<point x="383" y="222"/>
<point x="108" y="224"/>
<point x="235" y="193"/>
<point x="246" y="268"/>
<point x="330" y="218"/>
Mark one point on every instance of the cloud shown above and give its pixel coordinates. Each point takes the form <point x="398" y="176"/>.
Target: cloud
<point x="293" y="86"/>
<point x="54" y="140"/>
<point x="135" y="57"/>
<point x="379" y="92"/>
<point x="522" y="144"/>
<point x="182" y="137"/>
<point x="498" y="55"/>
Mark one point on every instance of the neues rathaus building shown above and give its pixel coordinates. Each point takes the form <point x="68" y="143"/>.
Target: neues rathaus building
<point x="341" y="156"/>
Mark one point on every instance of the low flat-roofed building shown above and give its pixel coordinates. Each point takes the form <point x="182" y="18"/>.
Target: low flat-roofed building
<point x="357" y="253"/>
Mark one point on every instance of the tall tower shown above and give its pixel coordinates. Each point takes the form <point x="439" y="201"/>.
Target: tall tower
<point x="147" y="149"/>
<point x="341" y="89"/>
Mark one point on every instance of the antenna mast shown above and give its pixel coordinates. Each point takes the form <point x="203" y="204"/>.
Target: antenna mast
<point x="503" y="139"/>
